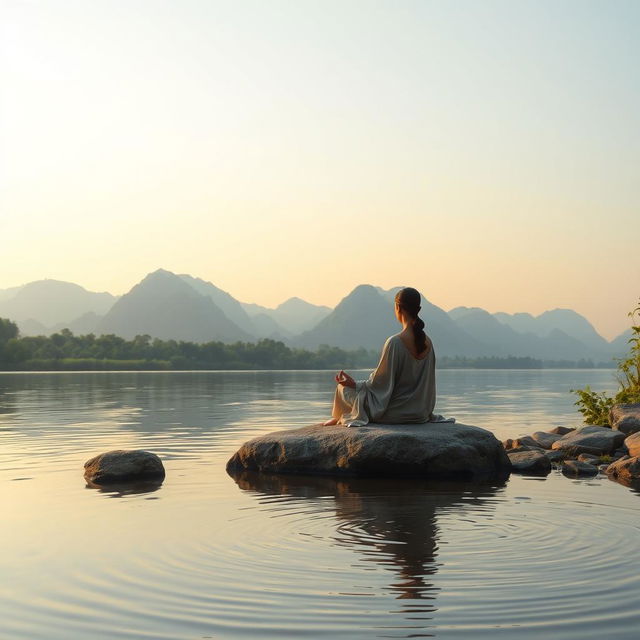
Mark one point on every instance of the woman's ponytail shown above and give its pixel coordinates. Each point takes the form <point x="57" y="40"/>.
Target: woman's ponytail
<point x="419" y="336"/>
<point x="408" y="299"/>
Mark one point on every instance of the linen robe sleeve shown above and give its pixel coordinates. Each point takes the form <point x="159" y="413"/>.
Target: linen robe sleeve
<point x="373" y="395"/>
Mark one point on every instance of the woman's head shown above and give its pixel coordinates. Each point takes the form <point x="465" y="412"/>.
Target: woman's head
<point x="408" y="307"/>
<point x="408" y="302"/>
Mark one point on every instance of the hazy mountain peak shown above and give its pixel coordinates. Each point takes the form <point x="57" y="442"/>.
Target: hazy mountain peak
<point x="461" y="312"/>
<point x="295" y="303"/>
<point x="231" y="308"/>
<point x="49" y="302"/>
<point x="164" y="305"/>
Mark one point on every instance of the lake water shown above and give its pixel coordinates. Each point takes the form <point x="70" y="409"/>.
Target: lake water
<point x="206" y="556"/>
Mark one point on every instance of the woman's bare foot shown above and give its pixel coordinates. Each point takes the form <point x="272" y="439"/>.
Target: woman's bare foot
<point x="330" y="423"/>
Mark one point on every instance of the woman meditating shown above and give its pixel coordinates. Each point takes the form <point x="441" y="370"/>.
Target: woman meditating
<point x="402" y="389"/>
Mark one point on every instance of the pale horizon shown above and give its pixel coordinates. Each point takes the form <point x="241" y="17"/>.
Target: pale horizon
<point x="486" y="154"/>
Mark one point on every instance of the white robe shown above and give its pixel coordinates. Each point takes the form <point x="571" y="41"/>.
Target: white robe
<point x="402" y="390"/>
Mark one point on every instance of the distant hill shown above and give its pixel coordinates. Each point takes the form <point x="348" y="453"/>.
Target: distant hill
<point x="224" y="301"/>
<point x="50" y="302"/>
<point x="6" y="294"/>
<point x="165" y="306"/>
<point x="548" y="343"/>
<point x="365" y="318"/>
<point x="85" y="324"/>
<point x="293" y="316"/>
<point x="620" y="344"/>
<point x="566" y="320"/>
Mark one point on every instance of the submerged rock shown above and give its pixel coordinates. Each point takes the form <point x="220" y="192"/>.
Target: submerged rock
<point x="123" y="466"/>
<point x="432" y="450"/>
<point x="578" y="469"/>
<point x="625" y="418"/>
<point x="530" y="462"/>
<point x="594" y="440"/>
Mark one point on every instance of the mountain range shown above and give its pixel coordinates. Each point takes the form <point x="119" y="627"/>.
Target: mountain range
<point x="182" y="307"/>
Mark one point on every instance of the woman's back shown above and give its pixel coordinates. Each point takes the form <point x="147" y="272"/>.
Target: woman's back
<point x="413" y="396"/>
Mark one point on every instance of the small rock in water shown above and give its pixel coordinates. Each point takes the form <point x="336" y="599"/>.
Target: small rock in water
<point x="523" y="443"/>
<point x="544" y="439"/>
<point x="123" y="466"/>
<point x="530" y="462"/>
<point x="578" y="469"/>
<point x="625" y="418"/>
<point x="626" y="468"/>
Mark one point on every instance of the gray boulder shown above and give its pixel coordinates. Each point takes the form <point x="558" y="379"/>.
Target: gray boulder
<point x="530" y="463"/>
<point x="523" y="443"/>
<point x="545" y="439"/>
<point x="432" y="450"/>
<point x="578" y="469"/>
<point x="594" y="440"/>
<point x="523" y="447"/>
<point x="562" y="431"/>
<point x="632" y="443"/>
<point x="554" y="456"/>
<point x="122" y="466"/>
<point x="625" y="469"/>
<point x="625" y="418"/>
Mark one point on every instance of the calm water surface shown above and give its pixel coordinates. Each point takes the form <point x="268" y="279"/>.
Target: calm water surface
<point x="208" y="556"/>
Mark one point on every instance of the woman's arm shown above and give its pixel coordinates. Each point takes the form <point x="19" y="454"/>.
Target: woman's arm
<point x="345" y="380"/>
<point x="379" y="387"/>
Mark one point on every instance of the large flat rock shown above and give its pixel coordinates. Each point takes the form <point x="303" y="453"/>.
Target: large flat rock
<point x="432" y="450"/>
<point x="594" y="440"/>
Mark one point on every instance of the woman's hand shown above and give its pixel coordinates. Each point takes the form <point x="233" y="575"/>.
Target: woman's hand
<point x="345" y="380"/>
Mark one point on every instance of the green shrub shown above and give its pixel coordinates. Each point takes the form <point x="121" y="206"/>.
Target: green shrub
<point x="595" y="406"/>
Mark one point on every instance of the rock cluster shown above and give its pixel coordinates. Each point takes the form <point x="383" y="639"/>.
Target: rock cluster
<point x="431" y="450"/>
<point x="583" y="452"/>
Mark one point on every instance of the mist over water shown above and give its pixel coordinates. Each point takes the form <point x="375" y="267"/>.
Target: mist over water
<point x="205" y="555"/>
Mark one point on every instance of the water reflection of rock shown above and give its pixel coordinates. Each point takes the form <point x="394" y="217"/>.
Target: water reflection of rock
<point x="391" y="523"/>
<point x="122" y="489"/>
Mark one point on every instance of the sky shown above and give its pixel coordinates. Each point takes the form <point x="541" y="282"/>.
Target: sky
<point x="486" y="153"/>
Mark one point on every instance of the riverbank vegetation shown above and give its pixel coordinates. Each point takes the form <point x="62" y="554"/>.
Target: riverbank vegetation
<point x="65" y="351"/>
<point x="595" y="405"/>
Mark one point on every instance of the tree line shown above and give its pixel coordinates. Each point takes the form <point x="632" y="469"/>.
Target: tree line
<point x="64" y="351"/>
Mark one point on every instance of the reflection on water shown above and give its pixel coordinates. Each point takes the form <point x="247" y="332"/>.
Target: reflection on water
<point x="273" y="557"/>
<point x="391" y="523"/>
<point x="119" y="490"/>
